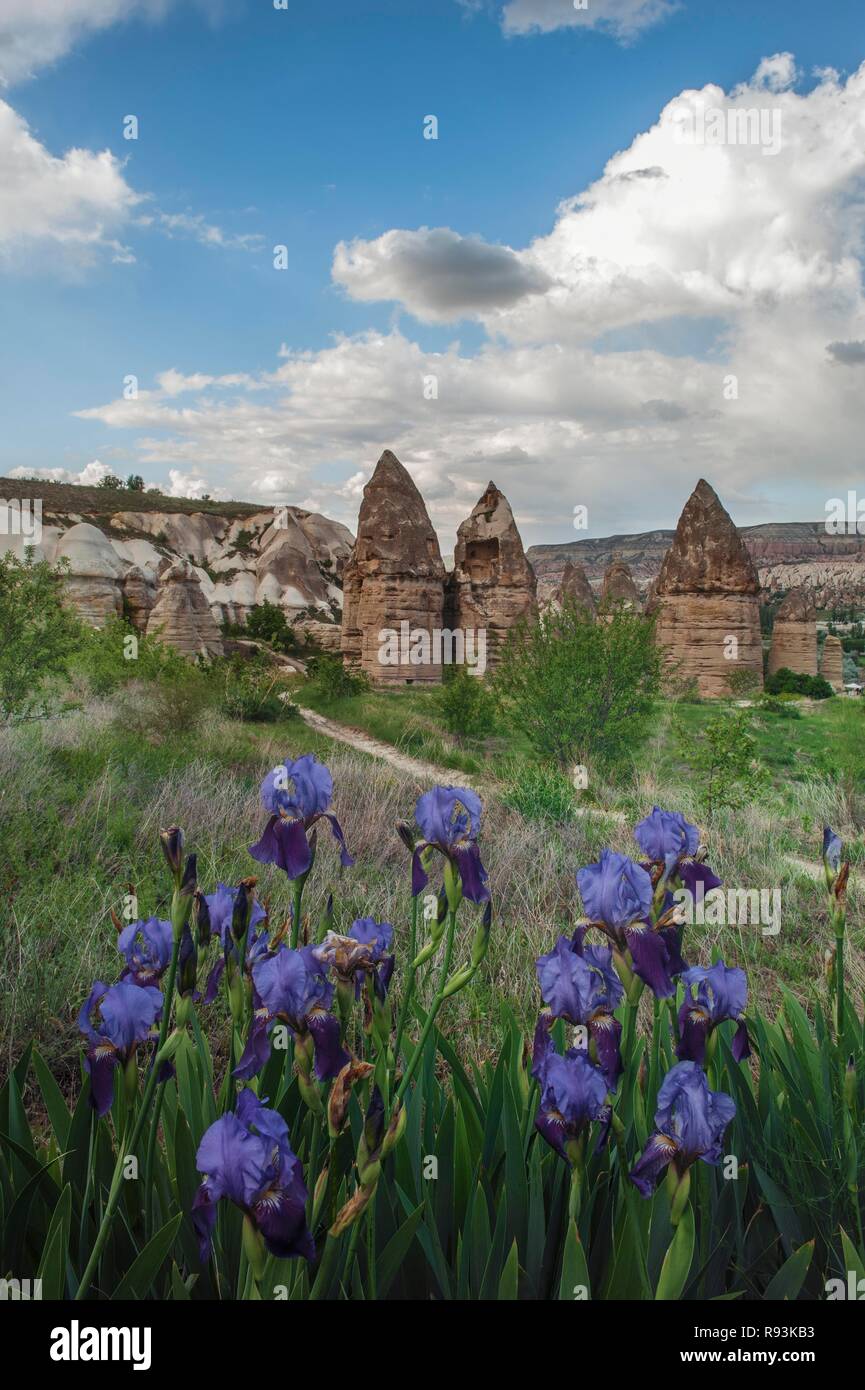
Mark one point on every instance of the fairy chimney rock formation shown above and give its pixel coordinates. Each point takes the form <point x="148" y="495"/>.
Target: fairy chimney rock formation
<point x="139" y="596"/>
<point x="832" y="662"/>
<point x="794" y="635"/>
<point x="181" y="616"/>
<point x="92" y="573"/>
<point x="393" y="583"/>
<point x="576" y="589"/>
<point x="492" y="585"/>
<point x="618" y="588"/>
<point x="706" y="599"/>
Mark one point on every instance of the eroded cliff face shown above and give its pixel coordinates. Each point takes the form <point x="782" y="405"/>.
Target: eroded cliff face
<point x="117" y="559"/>
<point x="794" y="636"/>
<point x="788" y="555"/>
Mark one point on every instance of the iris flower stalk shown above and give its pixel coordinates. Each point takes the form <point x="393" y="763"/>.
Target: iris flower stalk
<point x="837" y="874"/>
<point x="181" y="902"/>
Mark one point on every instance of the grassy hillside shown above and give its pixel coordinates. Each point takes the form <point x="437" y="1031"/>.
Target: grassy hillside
<point x="102" y="501"/>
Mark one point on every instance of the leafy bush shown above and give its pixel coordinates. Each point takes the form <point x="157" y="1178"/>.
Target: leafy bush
<point x="612" y="1164"/>
<point x="250" y="691"/>
<point x="540" y="793"/>
<point x="267" y="621"/>
<point x="784" y="709"/>
<point x="466" y="706"/>
<point x="580" y="691"/>
<point x="113" y="655"/>
<point x="787" y="682"/>
<point x="39" y="633"/>
<point x="333" y="680"/>
<point x="724" y="758"/>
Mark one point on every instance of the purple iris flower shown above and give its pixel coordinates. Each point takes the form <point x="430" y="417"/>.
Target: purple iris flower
<point x="246" y="1156"/>
<point x="690" y="1121"/>
<point x="721" y="994"/>
<point x="297" y="795"/>
<point x="579" y="984"/>
<point x="832" y="848"/>
<point x="666" y="837"/>
<point x="292" y="987"/>
<point x="147" y="948"/>
<point x="573" y="1093"/>
<point x="449" y="820"/>
<point x="219" y="908"/>
<point x="617" y="894"/>
<point x="114" y="1020"/>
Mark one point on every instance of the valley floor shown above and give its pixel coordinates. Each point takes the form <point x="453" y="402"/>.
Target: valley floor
<point x="84" y="795"/>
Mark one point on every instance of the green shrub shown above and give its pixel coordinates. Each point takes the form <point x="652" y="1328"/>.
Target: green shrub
<point x="466" y="706"/>
<point x="333" y="680"/>
<point x="580" y="691"/>
<point x="787" y="682"/>
<point x="267" y="622"/>
<point x="724" y="759"/>
<point x="540" y="793"/>
<point x="39" y="634"/>
<point x="113" y="655"/>
<point x="250" y="691"/>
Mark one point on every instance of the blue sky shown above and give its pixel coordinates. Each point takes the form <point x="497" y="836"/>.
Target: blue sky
<point x="304" y="127"/>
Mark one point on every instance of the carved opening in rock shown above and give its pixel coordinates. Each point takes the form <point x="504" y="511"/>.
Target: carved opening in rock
<point x="480" y="558"/>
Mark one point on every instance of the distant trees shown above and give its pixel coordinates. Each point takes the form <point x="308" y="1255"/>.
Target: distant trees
<point x="787" y="682"/>
<point x="580" y="691"/>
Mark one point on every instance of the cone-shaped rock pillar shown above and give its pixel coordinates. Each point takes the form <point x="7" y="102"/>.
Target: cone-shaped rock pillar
<point x="393" y="583"/>
<point x="706" y="599"/>
<point x="492" y="585"/>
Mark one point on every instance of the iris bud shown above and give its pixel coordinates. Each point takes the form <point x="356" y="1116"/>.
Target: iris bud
<point x="201" y="918"/>
<point x="406" y="833"/>
<point x="172" y="847"/>
<point x="850" y="1084"/>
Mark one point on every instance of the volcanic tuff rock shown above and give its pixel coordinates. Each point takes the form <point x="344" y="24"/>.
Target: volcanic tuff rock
<point x="787" y="554"/>
<point x="394" y="575"/>
<point x="832" y="662"/>
<point x="139" y="596"/>
<point x="794" y="636"/>
<point x="576" y="589"/>
<point x="181" y="616"/>
<point x="242" y="555"/>
<point x="618" y="588"/>
<point x="708" y="616"/>
<point x="492" y="585"/>
<point x="92" y="581"/>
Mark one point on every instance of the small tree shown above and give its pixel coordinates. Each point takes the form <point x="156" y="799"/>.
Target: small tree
<point x="465" y="703"/>
<point x="724" y="760"/>
<point x="267" y="621"/>
<point x="111" y="482"/>
<point x="39" y="633"/>
<point x="743" y="682"/>
<point x="580" y="690"/>
<point x="135" y="483"/>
